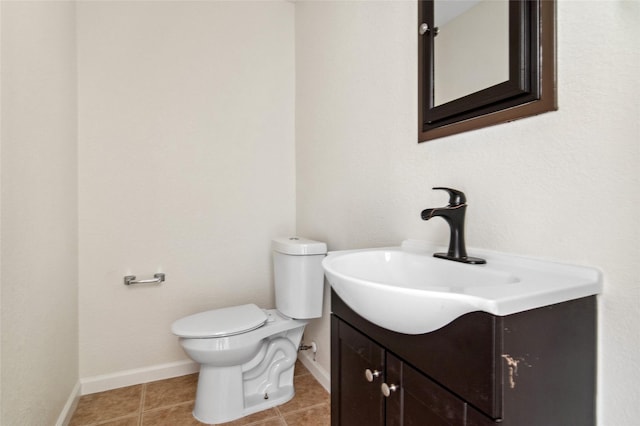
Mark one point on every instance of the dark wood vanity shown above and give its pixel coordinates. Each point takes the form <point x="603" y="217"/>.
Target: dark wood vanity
<point x="534" y="368"/>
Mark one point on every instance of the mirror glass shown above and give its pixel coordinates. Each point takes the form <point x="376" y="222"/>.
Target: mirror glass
<point x="484" y="62"/>
<point x="471" y="47"/>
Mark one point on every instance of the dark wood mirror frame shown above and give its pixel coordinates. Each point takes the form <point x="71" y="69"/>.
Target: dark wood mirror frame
<point x="530" y="90"/>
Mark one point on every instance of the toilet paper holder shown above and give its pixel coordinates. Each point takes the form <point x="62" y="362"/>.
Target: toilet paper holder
<point x="157" y="279"/>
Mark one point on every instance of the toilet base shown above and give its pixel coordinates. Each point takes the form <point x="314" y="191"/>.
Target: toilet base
<point x="254" y="404"/>
<point x="229" y="393"/>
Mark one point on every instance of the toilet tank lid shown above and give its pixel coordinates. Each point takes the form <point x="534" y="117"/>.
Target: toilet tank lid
<point x="220" y="322"/>
<point x="298" y="246"/>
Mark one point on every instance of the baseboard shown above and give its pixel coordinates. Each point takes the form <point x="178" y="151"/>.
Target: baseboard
<point x="105" y="382"/>
<point x="70" y="407"/>
<point x="321" y="375"/>
<point x="136" y="376"/>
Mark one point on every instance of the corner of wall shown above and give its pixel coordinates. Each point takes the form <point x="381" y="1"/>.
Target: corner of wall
<point x="70" y="407"/>
<point x="321" y="375"/>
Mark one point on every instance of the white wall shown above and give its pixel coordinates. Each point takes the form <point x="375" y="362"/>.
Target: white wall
<point x="187" y="164"/>
<point x="38" y="279"/>
<point x="186" y="157"/>
<point x="563" y="185"/>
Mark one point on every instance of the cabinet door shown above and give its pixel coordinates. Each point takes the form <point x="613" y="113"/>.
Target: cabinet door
<point x="354" y="399"/>
<point x="463" y="356"/>
<point x="418" y="401"/>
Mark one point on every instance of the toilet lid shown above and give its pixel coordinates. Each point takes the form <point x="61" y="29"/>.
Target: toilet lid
<point x="220" y="322"/>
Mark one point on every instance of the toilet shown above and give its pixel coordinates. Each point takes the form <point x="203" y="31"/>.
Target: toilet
<point x="247" y="354"/>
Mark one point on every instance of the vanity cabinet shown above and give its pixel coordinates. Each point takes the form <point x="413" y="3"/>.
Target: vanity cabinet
<point x="528" y="369"/>
<point x="412" y="397"/>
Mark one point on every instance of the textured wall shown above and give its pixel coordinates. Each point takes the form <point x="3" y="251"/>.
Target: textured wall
<point x="39" y="314"/>
<point x="186" y="156"/>
<point x="563" y="185"/>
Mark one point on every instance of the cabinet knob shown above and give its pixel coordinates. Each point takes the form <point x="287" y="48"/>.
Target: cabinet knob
<point x="424" y="29"/>
<point x="387" y="389"/>
<point x="371" y="375"/>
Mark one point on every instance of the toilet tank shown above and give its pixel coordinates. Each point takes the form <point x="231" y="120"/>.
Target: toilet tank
<point x="298" y="276"/>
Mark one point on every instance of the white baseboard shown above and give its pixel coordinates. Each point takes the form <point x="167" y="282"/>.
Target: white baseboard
<point x="321" y="375"/>
<point x="105" y="382"/>
<point x="136" y="376"/>
<point x="70" y="407"/>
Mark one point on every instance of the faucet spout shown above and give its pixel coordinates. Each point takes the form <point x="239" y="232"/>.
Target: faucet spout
<point x="444" y="212"/>
<point x="454" y="214"/>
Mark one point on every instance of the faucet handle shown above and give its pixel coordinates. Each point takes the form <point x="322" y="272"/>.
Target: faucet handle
<point x="456" y="198"/>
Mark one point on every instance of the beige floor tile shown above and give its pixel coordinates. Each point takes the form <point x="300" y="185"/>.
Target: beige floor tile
<point x="126" y="421"/>
<point x="170" y="403"/>
<point x="308" y="393"/>
<point x="300" y="369"/>
<point x="320" y="415"/>
<point x="278" y="421"/>
<point x="102" y="406"/>
<point x="170" y="391"/>
<point x="178" y="415"/>
<point x="260" y="416"/>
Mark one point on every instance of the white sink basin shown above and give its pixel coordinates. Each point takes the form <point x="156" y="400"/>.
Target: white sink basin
<point x="405" y="289"/>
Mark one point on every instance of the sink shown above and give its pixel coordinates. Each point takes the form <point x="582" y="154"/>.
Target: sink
<point x="407" y="290"/>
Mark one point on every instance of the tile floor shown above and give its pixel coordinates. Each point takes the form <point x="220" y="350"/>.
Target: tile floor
<point x="169" y="403"/>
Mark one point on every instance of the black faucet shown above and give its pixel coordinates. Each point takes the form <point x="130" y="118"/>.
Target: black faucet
<point x="454" y="215"/>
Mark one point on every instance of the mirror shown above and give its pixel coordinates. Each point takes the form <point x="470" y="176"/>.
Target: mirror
<point x="484" y="62"/>
<point x="457" y="48"/>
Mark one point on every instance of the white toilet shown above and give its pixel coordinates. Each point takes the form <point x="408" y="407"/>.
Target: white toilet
<point x="247" y="354"/>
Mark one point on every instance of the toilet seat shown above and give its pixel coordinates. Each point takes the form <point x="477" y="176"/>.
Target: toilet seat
<point x="220" y="322"/>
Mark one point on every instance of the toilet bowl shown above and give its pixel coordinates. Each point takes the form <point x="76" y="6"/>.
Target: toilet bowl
<point x="247" y="354"/>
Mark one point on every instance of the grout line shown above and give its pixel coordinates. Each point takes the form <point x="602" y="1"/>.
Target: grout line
<point x="106" y="421"/>
<point x="277" y="408"/>
<point x="259" y="422"/>
<point x="164" y="407"/>
<point x="143" y="396"/>
<point x="309" y="407"/>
